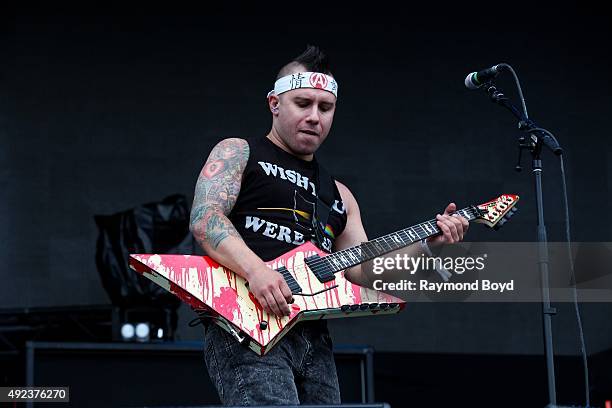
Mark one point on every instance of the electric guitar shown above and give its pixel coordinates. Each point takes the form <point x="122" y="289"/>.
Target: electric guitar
<point x="316" y="279"/>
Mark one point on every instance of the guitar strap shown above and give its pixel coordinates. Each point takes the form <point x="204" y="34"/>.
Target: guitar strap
<point x="323" y="204"/>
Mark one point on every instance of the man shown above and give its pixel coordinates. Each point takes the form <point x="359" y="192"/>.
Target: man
<point x="255" y="199"/>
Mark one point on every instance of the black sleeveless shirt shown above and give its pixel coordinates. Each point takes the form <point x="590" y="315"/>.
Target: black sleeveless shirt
<point x="276" y="202"/>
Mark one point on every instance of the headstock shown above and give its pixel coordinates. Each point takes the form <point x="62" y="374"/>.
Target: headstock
<point x="496" y="212"/>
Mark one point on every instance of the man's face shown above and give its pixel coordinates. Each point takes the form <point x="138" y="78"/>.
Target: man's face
<point x="305" y="118"/>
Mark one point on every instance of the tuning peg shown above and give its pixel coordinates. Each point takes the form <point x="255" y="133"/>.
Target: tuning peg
<point x="499" y="224"/>
<point x="514" y="209"/>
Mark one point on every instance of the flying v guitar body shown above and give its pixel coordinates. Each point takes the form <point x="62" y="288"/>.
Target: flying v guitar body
<point x="204" y="284"/>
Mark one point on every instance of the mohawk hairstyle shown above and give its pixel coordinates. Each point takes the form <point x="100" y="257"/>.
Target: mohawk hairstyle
<point x="313" y="59"/>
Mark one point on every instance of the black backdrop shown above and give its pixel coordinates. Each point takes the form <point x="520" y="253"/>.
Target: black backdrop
<point x="101" y="113"/>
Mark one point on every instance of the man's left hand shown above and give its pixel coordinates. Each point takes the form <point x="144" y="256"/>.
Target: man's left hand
<point x="453" y="227"/>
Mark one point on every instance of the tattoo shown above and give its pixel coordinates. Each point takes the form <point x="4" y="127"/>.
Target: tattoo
<point x="216" y="192"/>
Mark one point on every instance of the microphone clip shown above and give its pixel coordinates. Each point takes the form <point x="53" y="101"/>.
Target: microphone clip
<point x="537" y="135"/>
<point x="495" y="94"/>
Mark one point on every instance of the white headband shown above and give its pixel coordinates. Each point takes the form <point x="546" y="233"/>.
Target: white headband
<point x="298" y="80"/>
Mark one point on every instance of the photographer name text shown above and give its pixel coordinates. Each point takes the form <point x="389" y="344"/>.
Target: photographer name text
<point x="425" y="285"/>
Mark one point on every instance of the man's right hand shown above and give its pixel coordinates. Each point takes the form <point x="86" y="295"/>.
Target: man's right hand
<point x="270" y="290"/>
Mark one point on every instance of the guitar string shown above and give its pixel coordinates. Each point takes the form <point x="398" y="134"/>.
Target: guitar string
<point x="387" y="240"/>
<point x="324" y="262"/>
<point x="384" y="238"/>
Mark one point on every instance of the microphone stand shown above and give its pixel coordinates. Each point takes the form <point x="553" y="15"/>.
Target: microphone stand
<point x="534" y="143"/>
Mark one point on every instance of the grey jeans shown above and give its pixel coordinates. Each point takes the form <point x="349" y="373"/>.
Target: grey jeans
<point x="299" y="369"/>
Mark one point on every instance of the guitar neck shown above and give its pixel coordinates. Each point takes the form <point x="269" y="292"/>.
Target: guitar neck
<point x="359" y="254"/>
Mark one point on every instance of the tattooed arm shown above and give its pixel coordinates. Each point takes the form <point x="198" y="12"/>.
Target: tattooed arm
<point x="216" y="192"/>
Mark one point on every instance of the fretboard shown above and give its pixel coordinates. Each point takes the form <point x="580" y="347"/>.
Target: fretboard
<point x="358" y="254"/>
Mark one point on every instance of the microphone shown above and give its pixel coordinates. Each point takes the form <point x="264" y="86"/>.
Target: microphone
<point x="476" y="79"/>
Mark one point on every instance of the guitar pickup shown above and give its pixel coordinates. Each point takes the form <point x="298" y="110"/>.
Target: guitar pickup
<point x="294" y="287"/>
<point x="319" y="268"/>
